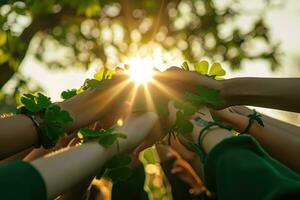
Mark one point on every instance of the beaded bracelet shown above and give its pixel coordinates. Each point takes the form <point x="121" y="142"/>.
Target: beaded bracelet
<point x="255" y="116"/>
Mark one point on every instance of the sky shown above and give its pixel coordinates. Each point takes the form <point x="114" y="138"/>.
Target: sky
<point x="284" y="23"/>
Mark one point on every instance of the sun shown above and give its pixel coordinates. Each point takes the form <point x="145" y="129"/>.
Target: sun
<point x="140" y="70"/>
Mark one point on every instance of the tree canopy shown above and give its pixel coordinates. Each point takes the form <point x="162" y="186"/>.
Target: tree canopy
<point x="109" y="31"/>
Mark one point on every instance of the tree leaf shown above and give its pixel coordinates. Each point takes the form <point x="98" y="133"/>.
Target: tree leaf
<point x="201" y="67"/>
<point x="216" y="70"/>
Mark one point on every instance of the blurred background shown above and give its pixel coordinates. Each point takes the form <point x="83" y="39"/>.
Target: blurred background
<point x="53" y="45"/>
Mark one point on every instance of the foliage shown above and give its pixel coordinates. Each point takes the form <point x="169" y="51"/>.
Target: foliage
<point x="117" y="168"/>
<point x="108" y="32"/>
<point x="200" y="96"/>
<point x="105" y="138"/>
<point x="68" y="94"/>
<point x="54" y="119"/>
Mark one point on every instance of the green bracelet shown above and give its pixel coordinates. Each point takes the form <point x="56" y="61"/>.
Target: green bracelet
<point x="198" y="148"/>
<point x="207" y="125"/>
<point x="255" y="116"/>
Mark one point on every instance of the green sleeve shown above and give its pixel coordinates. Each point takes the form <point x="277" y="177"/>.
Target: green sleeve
<point x="238" y="168"/>
<point x="20" y="180"/>
<point x="132" y="188"/>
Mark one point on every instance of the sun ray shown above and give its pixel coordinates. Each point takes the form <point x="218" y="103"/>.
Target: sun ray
<point x="170" y="92"/>
<point x="108" y="96"/>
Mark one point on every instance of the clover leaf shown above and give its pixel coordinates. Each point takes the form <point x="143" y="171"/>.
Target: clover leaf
<point x="67" y="94"/>
<point x="215" y="71"/>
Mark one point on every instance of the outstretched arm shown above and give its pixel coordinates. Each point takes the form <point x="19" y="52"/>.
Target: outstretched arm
<point x="278" y="138"/>
<point x="83" y="161"/>
<point x="18" y="132"/>
<point x="277" y="93"/>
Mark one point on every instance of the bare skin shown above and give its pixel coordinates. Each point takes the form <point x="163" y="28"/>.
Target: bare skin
<point x="84" y="108"/>
<point x="277" y="93"/>
<point x="275" y="136"/>
<point x="83" y="161"/>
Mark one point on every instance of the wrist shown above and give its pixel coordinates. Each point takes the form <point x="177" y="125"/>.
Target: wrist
<point x="213" y="137"/>
<point x="78" y="108"/>
<point x="227" y="94"/>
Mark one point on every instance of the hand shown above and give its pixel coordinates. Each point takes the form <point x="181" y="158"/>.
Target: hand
<point x="93" y="105"/>
<point x="176" y="81"/>
<point x="186" y="173"/>
<point x="236" y="117"/>
<point x="137" y="128"/>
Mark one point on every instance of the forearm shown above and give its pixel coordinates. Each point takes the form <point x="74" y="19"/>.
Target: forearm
<point x="64" y="170"/>
<point x="275" y="140"/>
<point x="277" y="93"/>
<point x="17" y="133"/>
<point x="60" y="172"/>
<point x="276" y="123"/>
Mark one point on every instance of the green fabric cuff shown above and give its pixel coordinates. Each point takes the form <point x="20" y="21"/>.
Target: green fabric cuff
<point x="20" y="180"/>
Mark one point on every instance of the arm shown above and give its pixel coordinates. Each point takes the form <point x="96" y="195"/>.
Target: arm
<point x="277" y="93"/>
<point x="85" y="160"/>
<point x="284" y="126"/>
<point x="279" y="139"/>
<point x="232" y="165"/>
<point x="84" y="108"/>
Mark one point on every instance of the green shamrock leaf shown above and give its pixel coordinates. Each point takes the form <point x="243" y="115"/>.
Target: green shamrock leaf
<point x="109" y="74"/>
<point x="185" y="66"/>
<point x="100" y="74"/>
<point x="201" y="67"/>
<point x="204" y="95"/>
<point x="67" y="94"/>
<point x="108" y="139"/>
<point x="215" y="71"/>
<point x="55" y="114"/>
<point x="43" y="101"/>
<point x="182" y="124"/>
<point x="186" y="107"/>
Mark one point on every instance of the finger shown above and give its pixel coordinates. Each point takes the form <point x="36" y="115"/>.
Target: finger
<point x="176" y="170"/>
<point x="242" y="110"/>
<point x="237" y="121"/>
<point x="144" y="145"/>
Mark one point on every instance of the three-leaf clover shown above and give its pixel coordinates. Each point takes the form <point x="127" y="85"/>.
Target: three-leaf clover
<point x="105" y="137"/>
<point x="204" y="95"/>
<point x="35" y="102"/>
